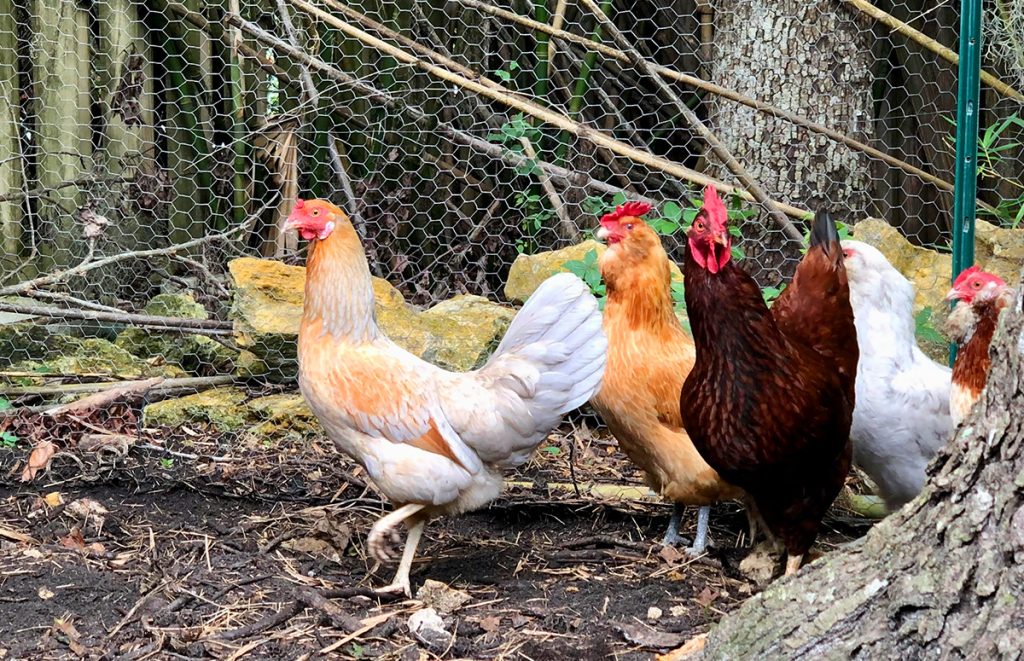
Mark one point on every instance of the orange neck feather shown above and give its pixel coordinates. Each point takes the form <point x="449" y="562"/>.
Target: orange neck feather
<point x="642" y="297"/>
<point x="339" y="290"/>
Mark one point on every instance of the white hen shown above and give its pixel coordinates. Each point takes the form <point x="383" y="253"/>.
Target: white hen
<point x="902" y="413"/>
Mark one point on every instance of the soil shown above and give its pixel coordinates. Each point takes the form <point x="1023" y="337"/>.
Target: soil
<point x="194" y="545"/>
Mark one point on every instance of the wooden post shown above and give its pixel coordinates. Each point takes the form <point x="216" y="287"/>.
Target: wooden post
<point x="62" y="51"/>
<point x="10" y="153"/>
<point x="123" y="147"/>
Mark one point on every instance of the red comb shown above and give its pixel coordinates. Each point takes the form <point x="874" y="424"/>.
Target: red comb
<point x="299" y="203"/>
<point x="634" y="209"/>
<point x="712" y="202"/>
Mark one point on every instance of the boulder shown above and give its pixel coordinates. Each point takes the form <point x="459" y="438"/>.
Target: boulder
<point x="468" y="329"/>
<point x="223" y="408"/>
<point x="198" y="354"/>
<point x="229" y="409"/>
<point x="281" y="415"/>
<point x="456" y="334"/>
<point x="528" y="271"/>
<point x="95" y="357"/>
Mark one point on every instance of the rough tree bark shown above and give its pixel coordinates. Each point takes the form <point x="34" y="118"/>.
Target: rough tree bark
<point x="812" y="58"/>
<point x="943" y="577"/>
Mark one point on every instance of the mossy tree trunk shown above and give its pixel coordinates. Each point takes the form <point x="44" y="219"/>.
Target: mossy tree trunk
<point x="943" y="577"/>
<point x="813" y="59"/>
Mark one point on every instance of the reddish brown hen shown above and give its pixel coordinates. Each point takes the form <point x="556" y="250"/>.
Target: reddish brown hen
<point x="770" y="398"/>
<point x="971" y="325"/>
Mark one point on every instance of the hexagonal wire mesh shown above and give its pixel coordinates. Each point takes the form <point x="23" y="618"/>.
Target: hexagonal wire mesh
<point x="145" y="145"/>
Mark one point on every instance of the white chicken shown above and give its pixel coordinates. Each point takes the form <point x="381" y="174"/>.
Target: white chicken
<point x="901" y="416"/>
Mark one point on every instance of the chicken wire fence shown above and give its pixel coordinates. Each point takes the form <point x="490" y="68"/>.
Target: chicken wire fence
<point x="146" y="145"/>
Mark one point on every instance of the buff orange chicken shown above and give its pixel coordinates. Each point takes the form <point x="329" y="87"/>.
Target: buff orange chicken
<point x="434" y="442"/>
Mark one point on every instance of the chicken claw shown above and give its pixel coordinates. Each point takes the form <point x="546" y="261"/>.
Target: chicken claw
<point x="384" y="538"/>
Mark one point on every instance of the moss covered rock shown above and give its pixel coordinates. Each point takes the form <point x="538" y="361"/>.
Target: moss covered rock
<point x="467" y="330"/>
<point x="198" y="354"/>
<point x="281" y="415"/>
<point x="95" y="357"/>
<point x="223" y="408"/>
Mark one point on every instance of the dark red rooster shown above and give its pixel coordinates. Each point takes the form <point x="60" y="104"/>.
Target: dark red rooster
<point x="770" y="399"/>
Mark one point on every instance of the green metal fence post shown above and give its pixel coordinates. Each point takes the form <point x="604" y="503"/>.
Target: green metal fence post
<point x="967" y="110"/>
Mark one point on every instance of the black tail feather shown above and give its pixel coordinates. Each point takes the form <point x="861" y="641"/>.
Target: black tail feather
<point x="824" y="232"/>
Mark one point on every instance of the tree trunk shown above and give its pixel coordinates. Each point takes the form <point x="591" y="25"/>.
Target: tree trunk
<point x="943" y="577"/>
<point x="811" y="58"/>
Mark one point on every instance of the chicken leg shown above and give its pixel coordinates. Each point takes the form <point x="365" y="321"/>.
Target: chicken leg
<point x="385" y="532"/>
<point x="672" y="537"/>
<point x="793" y="563"/>
<point x="700" y="542"/>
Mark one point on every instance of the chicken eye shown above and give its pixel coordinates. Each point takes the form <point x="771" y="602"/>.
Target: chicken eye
<point x="847" y="254"/>
<point x="629" y="226"/>
<point x="976" y="284"/>
<point x="699" y="225"/>
<point x="316" y="212"/>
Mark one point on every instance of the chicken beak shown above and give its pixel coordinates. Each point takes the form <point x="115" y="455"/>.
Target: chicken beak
<point x="952" y="295"/>
<point x="602" y="233"/>
<point x="721" y="239"/>
<point x="289" y="224"/>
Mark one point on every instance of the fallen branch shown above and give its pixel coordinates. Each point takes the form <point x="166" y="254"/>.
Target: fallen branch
<point x="42" y="190"/>
<point x="168" y="324"/>
<point x="718" y="90"/>
<point x="314" y="98"/>
<point x="104" y="397"/>
<point x="558" y="174"/>
<point x="306" y="598"/>
<point x="569" y="230"/>
<point x="183" y="383"/>
<point x="720" y="150"/>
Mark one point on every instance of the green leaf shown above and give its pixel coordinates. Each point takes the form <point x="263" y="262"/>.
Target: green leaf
<point x="665" y="226"/>
<point x="552" y="450"/>
<point x="618" y="198"/>
<point x="925" y="330"/>
<point x="8" y="440"/>
<point x="504" y="75"/>
<point x="528" y="168"/>
<point x="5" y="404"/>
<point x="513" y="65"/>
<point x="672" y="211"/>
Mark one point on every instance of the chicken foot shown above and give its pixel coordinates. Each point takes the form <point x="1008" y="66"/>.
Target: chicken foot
<point x="793" y="563"/>
<point x="386" y="534"/>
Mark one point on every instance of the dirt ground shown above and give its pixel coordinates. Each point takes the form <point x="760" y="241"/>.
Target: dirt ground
<point x="189" y="545"/>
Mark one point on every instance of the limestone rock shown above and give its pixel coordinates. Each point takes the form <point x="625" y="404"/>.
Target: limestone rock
<point x="998" y="250"/>
<point x="95" y="357"/>
<point x="281" y="415"/>
<point x="467" y="328"/>
<point x="198" y="354"/>
<point x="224" y="408"/>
